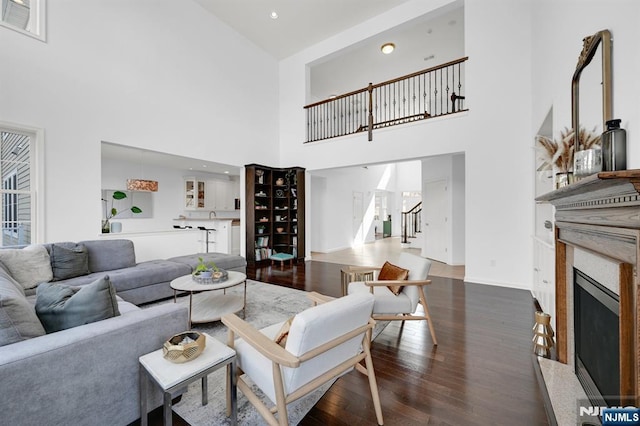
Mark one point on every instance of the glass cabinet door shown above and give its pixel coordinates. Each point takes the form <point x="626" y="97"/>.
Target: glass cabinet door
<point x="194" y="194"/>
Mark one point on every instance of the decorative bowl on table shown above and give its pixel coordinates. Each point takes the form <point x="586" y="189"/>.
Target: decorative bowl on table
<point x="214" y="277"/>
<point x="183" y="347"/>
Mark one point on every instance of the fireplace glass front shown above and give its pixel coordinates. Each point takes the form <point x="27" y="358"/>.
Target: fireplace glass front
<point x="597" y="336"/>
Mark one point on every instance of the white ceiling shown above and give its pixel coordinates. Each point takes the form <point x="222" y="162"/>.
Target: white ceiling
<point x="424" y="42"/>
<point x="300" y="23"/>
<point x="118" y="152"/>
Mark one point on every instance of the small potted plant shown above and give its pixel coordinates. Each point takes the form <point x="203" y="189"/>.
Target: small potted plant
<point x="260" y="229"/>
<point x="111" y="213"/>
<point x="205" y="269"/>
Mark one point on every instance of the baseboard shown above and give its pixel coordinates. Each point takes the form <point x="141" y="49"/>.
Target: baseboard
<point x="520" y="286"/>
<point x="331" y="250"/>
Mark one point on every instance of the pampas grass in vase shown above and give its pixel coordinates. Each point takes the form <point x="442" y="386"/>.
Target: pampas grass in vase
<point x="558" y="154"/>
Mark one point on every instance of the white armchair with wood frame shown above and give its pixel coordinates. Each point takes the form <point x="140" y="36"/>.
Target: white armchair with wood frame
<point x="399" y="302"/>
<point x="323" y="342"/>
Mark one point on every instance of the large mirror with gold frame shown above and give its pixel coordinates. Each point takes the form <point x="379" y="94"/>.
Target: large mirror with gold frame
<point x="596" y="46"/>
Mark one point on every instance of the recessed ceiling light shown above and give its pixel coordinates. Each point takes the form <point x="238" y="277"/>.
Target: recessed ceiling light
<point x="273" y="14"/>
<point x="226" y="172"/>
<point x="387" y="48"/>
<point x="204" y="165"/>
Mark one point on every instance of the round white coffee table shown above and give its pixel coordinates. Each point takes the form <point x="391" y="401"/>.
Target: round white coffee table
<point x="207" y="305"/>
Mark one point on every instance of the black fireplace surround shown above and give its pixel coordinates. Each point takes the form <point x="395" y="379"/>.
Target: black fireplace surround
<point x="597" y="340"/>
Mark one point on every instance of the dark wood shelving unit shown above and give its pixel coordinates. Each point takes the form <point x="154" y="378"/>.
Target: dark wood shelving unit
<point x="275" y="212"/>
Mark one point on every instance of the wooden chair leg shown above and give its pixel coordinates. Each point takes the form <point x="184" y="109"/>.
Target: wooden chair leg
<point x="281" y="402"/>
<point x="230" y="343"/>
<point x="423" y="301"/>
<point x="373" y="383"/>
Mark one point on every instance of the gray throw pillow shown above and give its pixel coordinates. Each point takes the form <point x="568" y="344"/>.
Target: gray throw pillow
<point x="60" y="307"/>
<point x="18" y="320"/>
<point x="29" y="266"/>
<point x="69" y="260"/>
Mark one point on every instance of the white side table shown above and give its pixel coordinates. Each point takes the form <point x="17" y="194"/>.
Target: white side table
<point x="208" y="305"/>
<point x="172" y="377"/>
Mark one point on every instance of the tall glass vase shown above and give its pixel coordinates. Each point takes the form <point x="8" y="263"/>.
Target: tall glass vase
<point x="105" y="226"/>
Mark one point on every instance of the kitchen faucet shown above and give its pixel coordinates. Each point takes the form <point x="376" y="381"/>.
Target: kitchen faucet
<point x="212" y="212"/>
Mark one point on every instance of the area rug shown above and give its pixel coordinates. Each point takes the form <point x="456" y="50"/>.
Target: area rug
<point x="266" y="304"/>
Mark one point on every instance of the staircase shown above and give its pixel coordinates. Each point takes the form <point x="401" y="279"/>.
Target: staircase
<point x="411" y="226"/>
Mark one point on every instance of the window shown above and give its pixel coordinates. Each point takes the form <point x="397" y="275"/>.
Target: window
<point x="25" y="16"/>
<point x="380" y="206"/>
<point x="410" y="199"/>
<point x="17" y="149"/>
<point x="10" y="205"/>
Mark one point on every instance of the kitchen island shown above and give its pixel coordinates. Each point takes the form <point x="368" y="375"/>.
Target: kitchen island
<point x="150" y="245"/>
<point x="216" y="235"/>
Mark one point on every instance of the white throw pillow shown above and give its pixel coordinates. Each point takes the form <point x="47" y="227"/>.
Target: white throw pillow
<point x="29" y="266"/>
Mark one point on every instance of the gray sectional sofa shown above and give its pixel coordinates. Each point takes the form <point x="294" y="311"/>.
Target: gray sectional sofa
<point x="89" y="374"/>
<point x="145" y="281"/>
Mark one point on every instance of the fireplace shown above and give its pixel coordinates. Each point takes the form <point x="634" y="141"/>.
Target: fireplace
<point x="600" y="214"/>
<point x="597" y="339"/>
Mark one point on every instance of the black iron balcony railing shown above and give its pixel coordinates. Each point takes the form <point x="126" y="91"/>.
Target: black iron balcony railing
<point x="429" y="93"/>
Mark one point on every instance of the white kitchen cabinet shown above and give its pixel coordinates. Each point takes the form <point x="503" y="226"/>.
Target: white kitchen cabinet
<point x="544" y="272"/>
<point x="194" y="194"/>
<point x="544" y="265"/>
<point x="221" y="194"/>
<point x="235" y="240"/>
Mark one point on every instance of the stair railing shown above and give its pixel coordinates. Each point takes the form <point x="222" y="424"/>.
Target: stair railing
<point x="432" y="92"/>
<point x="411" y="222"/>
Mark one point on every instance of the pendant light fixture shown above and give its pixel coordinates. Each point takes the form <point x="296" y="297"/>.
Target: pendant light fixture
<point x="142" y="184"/>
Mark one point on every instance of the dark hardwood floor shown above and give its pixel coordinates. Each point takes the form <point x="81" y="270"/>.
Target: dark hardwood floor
<point x="481" y="372"/>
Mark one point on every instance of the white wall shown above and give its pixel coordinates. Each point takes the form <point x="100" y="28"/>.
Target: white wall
<point x="332" y="204"/>
<point x="451" y="169"/>
<point x="408" y="178"/>
<point x="458" y="210"/>
<point x="143" y="73"/>
<point x="166" y="202"/>
<point x="154" y="76"/>
<point x="494" y="135"/>
<point x="555" y="54"/>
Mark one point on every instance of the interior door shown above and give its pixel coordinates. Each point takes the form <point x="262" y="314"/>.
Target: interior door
<point x="435" y="210"/>
<point x="358" y="218"/>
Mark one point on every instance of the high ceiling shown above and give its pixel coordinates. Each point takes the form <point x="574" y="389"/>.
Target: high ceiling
<point x="300" y="23"/>
<point x="422" y="42"/>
